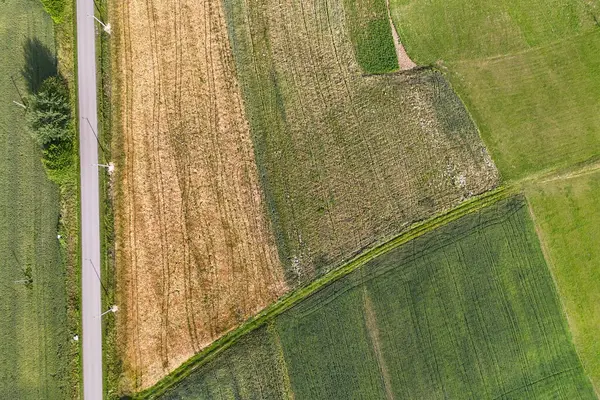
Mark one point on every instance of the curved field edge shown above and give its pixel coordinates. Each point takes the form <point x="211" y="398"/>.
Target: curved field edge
<point x="293" y="298"/>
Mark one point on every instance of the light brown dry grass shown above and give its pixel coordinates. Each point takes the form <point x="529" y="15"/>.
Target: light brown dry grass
<point x="195" y="255"/>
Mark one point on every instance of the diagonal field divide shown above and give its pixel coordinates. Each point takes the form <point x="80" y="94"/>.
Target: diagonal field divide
<point x="290" y="300"/>
<point x="90" y="204"/>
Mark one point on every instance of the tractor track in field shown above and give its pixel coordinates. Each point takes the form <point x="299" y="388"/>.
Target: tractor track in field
<point x="194" y="248"/>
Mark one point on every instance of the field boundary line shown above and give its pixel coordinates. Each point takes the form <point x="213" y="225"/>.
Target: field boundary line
<point x="498" y="57"/>
<point x="550" y="263"/>
<point x="291" y="299"/>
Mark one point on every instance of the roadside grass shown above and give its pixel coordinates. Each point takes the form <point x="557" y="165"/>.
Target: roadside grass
<point x="35" y="349"/>
<point x="448" y="313"/>
<point x="106" y="106"/>
<point x="567" y="213"/>
<point x="68" y="181"/>
<point x="527" y="72"/>
<point x="345" y="159"/>
<point x="371" y="35"/>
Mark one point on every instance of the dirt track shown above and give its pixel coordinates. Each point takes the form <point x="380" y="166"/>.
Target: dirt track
<point x="195" y="255"/>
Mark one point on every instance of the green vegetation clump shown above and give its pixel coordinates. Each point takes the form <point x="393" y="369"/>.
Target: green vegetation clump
<point x="55" y="9"/>
<point x="49" y="118"/>
<point x="49" y="113"/>
<point x="371" y="35"/>
<point x="568" y="215"/>
<point x="466" y="311"/>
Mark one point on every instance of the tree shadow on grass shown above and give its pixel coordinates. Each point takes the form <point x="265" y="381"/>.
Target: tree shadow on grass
<point x="40" y="63"/>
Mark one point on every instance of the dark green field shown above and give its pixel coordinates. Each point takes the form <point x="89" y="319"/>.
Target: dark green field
<point x="346" y="160"/>
<point x="34" y="341"/>
<point x="371" y="35"/>
<point x="253" y="369"/>
<point x="467" y="311"/>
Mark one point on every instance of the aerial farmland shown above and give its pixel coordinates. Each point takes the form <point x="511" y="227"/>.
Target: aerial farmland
<point x="340" y="199"/>
<point x="292" y="199"/>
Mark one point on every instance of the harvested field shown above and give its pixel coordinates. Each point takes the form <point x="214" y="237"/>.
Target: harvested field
<point x="468" y="311"/>
<point x="346" y="160"/>
<point x="195" y="255"/>
<point x="567" y="212"/>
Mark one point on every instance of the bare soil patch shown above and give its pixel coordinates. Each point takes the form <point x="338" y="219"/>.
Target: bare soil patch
<point x="404" y="60"/>
<point x="195" y="254"/>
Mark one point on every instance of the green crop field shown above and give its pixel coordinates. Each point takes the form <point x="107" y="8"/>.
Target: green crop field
<point x="369" y="28"/>
<point x="345" y="160"/>
<point x="33" y="316"/>
<point x="567" y="213"/>
<point x="538" y="109"/>
<point x="466" y="311"/>
<point x="253" y="369"/>
<point x="453" y="30"/>
<point x="527" y="71"/>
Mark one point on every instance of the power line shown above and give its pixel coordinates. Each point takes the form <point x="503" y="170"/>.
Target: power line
<point x="98" y="275"/>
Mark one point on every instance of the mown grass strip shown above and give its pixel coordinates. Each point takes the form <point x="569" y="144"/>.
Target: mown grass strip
<point x="292" y="299"/>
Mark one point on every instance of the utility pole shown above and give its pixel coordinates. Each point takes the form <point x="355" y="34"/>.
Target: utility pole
<point x="110" y="167"/>
<point x="113" y="309"/>
<point x="98" y="275"/>
<point x="23" y="101"/>
<point x="95" y="134"/>
<point x="105" y="27"/>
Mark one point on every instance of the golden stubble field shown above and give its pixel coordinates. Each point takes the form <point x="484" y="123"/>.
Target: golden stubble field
<point x="195" y="254"/>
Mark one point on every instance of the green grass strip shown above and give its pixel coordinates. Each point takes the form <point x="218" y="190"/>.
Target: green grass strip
<point x="293" y="298"/>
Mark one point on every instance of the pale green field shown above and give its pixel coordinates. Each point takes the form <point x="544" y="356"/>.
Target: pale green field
<point x="527" y="71"/>
<point x="452" y="30"/>
<point x="568" y="215"/>
<point x="33" y="319"/>
<point x="538" y="109"/>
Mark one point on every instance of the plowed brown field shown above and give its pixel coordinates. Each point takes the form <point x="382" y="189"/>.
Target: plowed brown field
<point x="195" y="254"/>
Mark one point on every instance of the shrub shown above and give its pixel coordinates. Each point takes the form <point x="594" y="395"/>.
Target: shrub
<point x="55" y="9"/>
<point x="49" y="118"/>
<point x="49" y="112"/>
<point x="58" y="156"/>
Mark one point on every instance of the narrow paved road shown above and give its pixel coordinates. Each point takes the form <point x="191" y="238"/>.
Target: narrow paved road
<point x="90" y="205"/>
